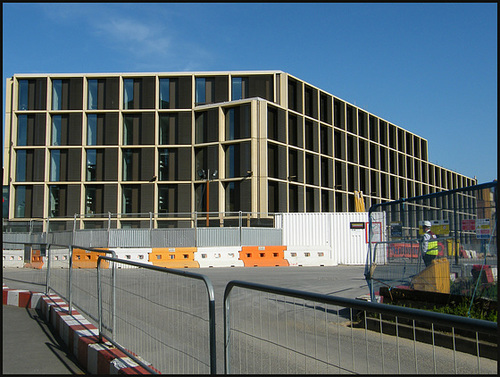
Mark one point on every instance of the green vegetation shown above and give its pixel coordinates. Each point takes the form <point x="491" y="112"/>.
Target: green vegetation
<point x="477" y="311"/>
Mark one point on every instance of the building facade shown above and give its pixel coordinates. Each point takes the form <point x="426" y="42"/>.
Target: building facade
<point x="173" y="144"/>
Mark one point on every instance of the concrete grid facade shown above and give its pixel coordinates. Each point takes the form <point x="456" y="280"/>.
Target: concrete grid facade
<point x="135" y="143"/>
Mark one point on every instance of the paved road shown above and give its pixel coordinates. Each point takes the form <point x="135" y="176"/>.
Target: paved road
<point x="157" y="304"/>
<point x="30" y="347"/>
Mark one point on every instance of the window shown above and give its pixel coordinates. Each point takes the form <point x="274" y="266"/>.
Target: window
<point x="237" y="160"/>
<point x="231" y="162"/>
<point x="127" y="165"/>
<point x="163" y="199"/>
<point x="91" y="164"/>
<point x="163" y="165"/>
<point x="230" y="197"/>
<point x="56" y="130"/>
<point x="23" y="95"/>
<point x="168" y="129"/>
<point x="20" y="201"/>
<point x="230" y="125"/>
<point x="128" y="130"/>
<point x="237" y="121"/>
<point x="239" y="88"/>
<point x="127" y="200"/>
<point x="90" y="200"/>
<point x="164" y="93"/>
<point x="22" y="130"/>
<point x="128" y="93"/>
<point x="200" y="90"/>
<point x="92" y="95"/>
<point x="55" y="163"/>
<point x="56" y="95"/>
<point x="92" y="129"/>
<point x="205" y="90"/>
<point x="54" y="201"/>
<point x="21" y="166"/>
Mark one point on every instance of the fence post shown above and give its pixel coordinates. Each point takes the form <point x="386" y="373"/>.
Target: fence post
<point x="70" y="273"/>
<point x="47" y="278"/>
<point x="99" y="299"/>
<point x="109" y="225"/>
<point x="240" y="223"/>
<point x="226" y="334"/>
<point x="195" y="229"/>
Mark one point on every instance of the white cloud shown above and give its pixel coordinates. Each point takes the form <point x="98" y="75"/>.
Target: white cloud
<point x="143" y="35"/>
<point x="135" y="36"/>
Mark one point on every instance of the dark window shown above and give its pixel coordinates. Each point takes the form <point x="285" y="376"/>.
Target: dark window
<point x="102" y="129"/>
<point x="239" y="88"/>
<point x="32" y="94"/>
<point x="22" y="130"/>
<point x="205" y="90"/>
<point x="207" y="126"/>
<point x="164" y="93"/>
<point x="175" y="128"/>
<point x="139" y="93"/>
<point x="238" y="196"/>
<point x="238" y="122"/>
<point x="67" y="94"/>
<point x="237" y="160"/>
<point x="23" y="95"/>
<point x="102" y="94"/>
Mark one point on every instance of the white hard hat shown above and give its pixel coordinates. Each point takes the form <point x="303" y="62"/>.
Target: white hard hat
<point x="427" y="223"/>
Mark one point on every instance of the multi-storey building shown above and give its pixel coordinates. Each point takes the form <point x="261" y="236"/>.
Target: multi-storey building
<point x="266" y="141"/>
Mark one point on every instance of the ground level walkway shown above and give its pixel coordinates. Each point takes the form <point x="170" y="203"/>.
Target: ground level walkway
<point x="31" y="347"/>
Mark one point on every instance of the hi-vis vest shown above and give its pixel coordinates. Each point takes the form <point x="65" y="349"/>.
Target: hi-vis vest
<point x="432" y="248"/>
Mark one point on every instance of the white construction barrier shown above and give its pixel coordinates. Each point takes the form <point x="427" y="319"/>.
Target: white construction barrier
<point x="225" y="256"/>
<point x="140" y="255"/>
<point x="13" y="258"/>
<point x="59" y="258"/>
<point x="309" y="256"/>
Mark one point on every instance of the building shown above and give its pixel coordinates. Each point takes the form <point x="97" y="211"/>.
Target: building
<point x="172" y="144"/>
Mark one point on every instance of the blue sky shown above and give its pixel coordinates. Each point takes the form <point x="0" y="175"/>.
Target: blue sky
<point x="428" y="68"/>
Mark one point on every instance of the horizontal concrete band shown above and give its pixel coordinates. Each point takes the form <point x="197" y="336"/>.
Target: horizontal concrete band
<point x="81" y="337"/>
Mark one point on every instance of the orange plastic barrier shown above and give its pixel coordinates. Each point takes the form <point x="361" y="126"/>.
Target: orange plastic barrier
<point x="409" y="250"/>
<point x="88" y="259"/>
<point x="403" y="250"/>
<point x="263" y="256"/>
<point x="178" y="257"/>
<point x="36" y="260"/>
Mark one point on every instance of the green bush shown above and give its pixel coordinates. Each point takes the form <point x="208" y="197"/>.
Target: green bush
<point x="477" y="311"/>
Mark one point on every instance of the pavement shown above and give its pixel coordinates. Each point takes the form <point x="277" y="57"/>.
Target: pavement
<point x="30" y="345"/>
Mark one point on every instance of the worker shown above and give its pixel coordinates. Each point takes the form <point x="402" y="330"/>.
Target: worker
<point x="429" y="249"/>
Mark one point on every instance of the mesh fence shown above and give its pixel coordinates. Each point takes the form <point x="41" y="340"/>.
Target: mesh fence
<point x="463" y="222"/>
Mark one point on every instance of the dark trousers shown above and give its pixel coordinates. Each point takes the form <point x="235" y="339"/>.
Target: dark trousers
<point x="428" y="259"/>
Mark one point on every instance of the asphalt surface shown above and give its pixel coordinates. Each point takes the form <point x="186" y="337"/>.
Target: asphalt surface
<point x="31" y="347"/>
<point x="343" y="281"/>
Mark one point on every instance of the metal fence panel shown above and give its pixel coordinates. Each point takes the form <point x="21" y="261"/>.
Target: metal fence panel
<point x="165" y="316"/>
<point x="464" y="223"/>
<point x="271" y="330"/>
<point x="91" y="238"/>
<point x="61" y="238"/>
<point x="217" y="237"/>
<point x="183" y="237"/>
<point x="129" y="238"/>
<point x="260" y="237"/>
<point x="22" y="237"/>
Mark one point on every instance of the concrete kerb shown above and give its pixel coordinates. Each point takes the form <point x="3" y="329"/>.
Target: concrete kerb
<point x="81" y="337"/>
